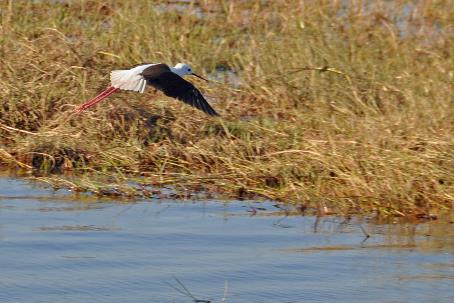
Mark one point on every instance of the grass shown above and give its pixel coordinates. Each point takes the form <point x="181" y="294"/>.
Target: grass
<point x="341" y="106"/>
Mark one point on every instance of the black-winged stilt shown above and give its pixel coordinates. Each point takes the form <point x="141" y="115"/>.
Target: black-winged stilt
<point x="167" y="79"/>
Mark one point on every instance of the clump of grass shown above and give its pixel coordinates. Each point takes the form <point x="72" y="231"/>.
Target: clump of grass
<point x="342" y="106"/>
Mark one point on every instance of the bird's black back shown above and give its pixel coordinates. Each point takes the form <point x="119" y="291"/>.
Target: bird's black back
<point x="155" y="71"/>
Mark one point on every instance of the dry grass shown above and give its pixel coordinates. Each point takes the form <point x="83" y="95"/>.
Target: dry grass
<point x="363" y="122"/>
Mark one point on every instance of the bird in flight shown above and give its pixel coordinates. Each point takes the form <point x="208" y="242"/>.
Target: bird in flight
<point x="167" y="79"/>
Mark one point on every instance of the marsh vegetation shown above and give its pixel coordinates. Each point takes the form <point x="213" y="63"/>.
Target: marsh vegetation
<point x="338" y="106"/>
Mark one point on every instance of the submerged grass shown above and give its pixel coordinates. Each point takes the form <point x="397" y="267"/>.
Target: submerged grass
<point x="344" y="106"/>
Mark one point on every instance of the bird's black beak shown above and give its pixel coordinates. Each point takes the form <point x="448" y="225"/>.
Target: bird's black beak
<point x="199" y="77"/>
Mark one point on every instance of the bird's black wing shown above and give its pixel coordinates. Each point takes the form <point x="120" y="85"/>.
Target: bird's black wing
<point x="175" y="86"/>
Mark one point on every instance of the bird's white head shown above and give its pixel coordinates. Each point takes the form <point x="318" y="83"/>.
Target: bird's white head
<point x="182" y="69"/>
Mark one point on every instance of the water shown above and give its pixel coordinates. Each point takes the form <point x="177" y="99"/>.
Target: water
<point x="55" y="249"/>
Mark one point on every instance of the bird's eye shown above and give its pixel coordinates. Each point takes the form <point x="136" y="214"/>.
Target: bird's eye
<point x="189" y="69"/>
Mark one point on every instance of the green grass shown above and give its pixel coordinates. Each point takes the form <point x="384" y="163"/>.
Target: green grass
<point x="340" y="108"/>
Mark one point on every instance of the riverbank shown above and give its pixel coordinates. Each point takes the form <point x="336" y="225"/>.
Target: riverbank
<point x="340" y="109"/>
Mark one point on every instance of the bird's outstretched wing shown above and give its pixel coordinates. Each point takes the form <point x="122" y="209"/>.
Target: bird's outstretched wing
<point x="175" y="86"/>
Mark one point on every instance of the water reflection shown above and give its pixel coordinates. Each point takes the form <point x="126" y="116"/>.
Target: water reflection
<point x="54" y="249"/>
<point x="73" y="207"/>
<point x="75" y="228"/>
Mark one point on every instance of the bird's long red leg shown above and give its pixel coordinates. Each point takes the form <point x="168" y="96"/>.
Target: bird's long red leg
<point x="106" y="93"/>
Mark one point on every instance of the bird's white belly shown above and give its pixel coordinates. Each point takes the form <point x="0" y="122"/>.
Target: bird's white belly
<point x="130" y="79"/>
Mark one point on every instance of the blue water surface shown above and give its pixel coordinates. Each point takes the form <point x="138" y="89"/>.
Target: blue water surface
<point x="54" y="248"/>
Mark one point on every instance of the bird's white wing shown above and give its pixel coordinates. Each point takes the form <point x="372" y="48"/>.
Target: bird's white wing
<point x="130" y="79"/>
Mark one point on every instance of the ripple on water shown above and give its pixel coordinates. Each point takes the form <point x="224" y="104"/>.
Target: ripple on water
<point x="54" y="249"/>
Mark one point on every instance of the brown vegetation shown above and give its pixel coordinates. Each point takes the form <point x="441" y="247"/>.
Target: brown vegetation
<point x="345" y="107"/>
